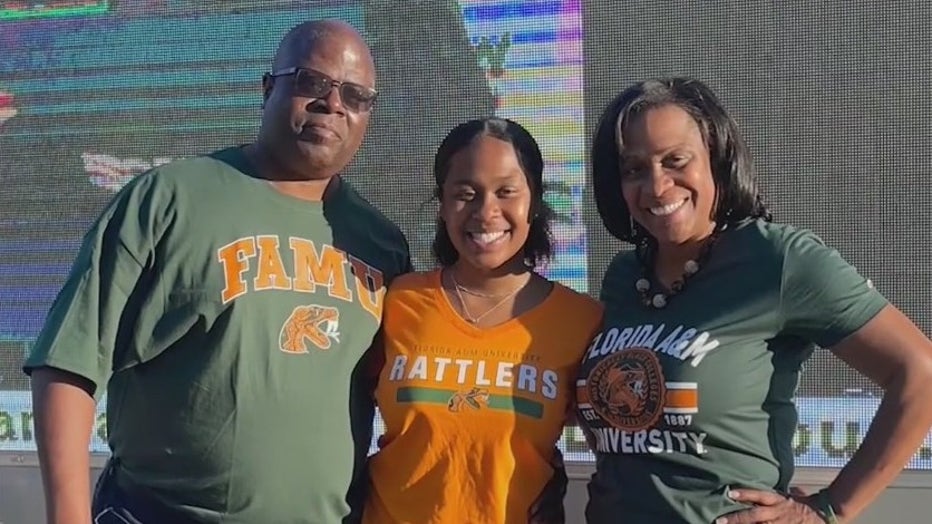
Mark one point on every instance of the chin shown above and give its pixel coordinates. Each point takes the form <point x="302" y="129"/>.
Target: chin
<point x="663" y="236"/>
<point x="316" y="166"/>
<point x="484" y="263"/>
<point x="494" y="262"/>
<point x="677" y="238"/>
<point x="315" y="156"/>
<point x="675" y="233"/>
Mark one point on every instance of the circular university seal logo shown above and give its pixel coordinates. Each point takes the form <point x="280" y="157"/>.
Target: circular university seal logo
<point x="627" y="389"/>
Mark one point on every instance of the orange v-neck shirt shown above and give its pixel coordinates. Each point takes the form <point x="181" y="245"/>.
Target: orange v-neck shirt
<point x="472" y="414"/>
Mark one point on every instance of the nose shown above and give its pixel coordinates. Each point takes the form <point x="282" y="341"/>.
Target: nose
<point x="487" y="207"/>
<point x="659" y="180"/>
<point x="331" y="101"/>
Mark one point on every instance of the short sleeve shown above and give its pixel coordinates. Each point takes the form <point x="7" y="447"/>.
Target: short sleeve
<point x="89" y="319"/>
<point x="823" y="298"/>
<point x="406" y="265"/>
<point x="375" y="356"/>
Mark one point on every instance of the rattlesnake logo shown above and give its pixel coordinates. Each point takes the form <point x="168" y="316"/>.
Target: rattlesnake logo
<point x="624" y="390"/>
<point x="475" y="398"/>
<point x="627" y="389"/>
<point x="319" y="324"/>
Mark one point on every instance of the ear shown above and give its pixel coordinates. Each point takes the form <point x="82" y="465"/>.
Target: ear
<point x="438" y="196"/>
<point x="440" y="210"/>
<point x="533" y="212"/>
<point x="267" y="82"/>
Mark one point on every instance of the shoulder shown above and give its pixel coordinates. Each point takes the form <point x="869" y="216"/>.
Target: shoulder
<point x="217" y="161"/>
<point x="778" y="239"/>
<point x="576" y="302"/>
<point x="808" y="267"/>
<point x="579" y="315"/>
<point x="622" y="271"/>
<point x="383" y="241"/>
<point x="366" y="233"/>
<point x="762" y="248"/>
<point x="623" y="262"/>
<point x="415" y="280"/>
<point x="185" y="174"/>
<point x="411" y="293"/>
<point x="370" y="215"/>
<point x="154" y="195"/>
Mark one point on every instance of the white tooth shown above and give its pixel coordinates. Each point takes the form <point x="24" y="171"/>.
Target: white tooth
<point x="667" y="209"/>
<point x="487" y="238"/>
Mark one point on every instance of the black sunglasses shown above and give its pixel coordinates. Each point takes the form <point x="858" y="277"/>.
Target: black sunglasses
<point x="314" y="84"/>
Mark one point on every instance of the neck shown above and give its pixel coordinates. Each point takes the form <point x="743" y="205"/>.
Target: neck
<point x="285" y="180"/>
<point x="500" y="281"/>
<point x="670" y="260"/>
<point x="310" y="190"/>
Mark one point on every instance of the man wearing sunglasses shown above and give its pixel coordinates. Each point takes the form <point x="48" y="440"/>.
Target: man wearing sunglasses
<point x="225" y="305"/>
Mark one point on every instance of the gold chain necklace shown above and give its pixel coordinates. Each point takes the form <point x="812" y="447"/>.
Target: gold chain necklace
<point x="475" y="320"/>
<point x="468" y="291"/>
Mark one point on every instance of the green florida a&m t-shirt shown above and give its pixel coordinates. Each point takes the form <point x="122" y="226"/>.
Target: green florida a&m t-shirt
<point x="228" y="324"/>
<point x="689" y="401"/>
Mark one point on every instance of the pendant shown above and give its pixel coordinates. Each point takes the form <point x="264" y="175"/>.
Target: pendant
<point x="659" y="301"/>
<point x="642" y="285"/>
<point x="691" y="267"/>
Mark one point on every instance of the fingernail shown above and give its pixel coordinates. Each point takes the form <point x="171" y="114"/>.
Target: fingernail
<point x="721" y="520"/>
<point x="733" y="494"/>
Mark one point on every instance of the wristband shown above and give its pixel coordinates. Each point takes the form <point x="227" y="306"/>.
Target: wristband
<point x="823" y="506"/>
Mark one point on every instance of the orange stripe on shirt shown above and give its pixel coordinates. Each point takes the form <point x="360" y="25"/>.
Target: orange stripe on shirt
<point x="681" y="397"/>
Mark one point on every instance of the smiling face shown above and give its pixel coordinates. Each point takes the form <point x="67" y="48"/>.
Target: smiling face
<point x="485" y="203"/>
<point x="315" y="138"/>
<point x="666" y="176"/>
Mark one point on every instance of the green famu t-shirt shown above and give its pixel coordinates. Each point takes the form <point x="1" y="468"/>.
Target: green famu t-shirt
<point x="686" y="402"/>
<point x="226" y="320"/>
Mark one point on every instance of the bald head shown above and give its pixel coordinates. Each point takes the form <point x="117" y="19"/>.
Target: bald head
<point x="307" y="133"/>
<point x="303" y="39"/>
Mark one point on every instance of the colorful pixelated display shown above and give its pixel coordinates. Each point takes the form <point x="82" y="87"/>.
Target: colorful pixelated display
<point x="51" y="9"/>
<point x="532" y="56"/>
<point x="97" y="101"/>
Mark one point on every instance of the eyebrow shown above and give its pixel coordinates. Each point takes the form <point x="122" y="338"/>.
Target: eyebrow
<point x="517" y="175"/>
<point x="679" y="147"/>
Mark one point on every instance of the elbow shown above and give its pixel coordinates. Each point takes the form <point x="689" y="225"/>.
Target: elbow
<point x="911" y="382"/>
<point x="919" y="371"/>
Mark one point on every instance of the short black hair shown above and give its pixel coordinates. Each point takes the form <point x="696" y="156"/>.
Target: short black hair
<point x="737" y="197"/>
<point x="539" y="245"/>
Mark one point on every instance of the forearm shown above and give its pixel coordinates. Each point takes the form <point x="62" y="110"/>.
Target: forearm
<point x="898" y="429"/>
<point x="64" y="415"/>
